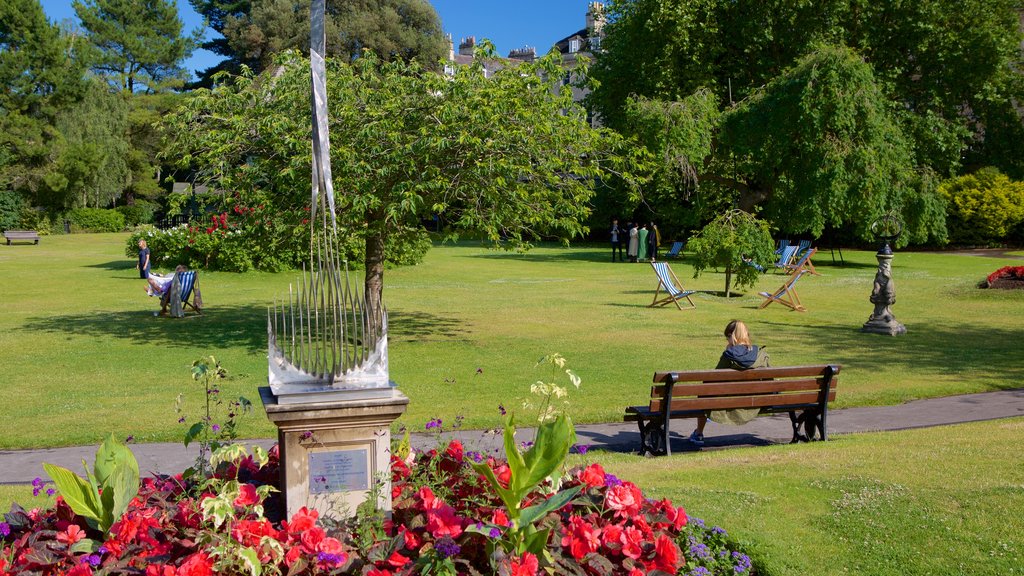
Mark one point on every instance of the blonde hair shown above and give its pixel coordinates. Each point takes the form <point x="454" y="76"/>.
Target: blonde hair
<point x="737" y="334"/>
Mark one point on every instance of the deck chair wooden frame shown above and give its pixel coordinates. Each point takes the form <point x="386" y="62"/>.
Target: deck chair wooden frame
<point x="182" y="293"/>
<point x="786" y="257"/>
<point x="803" y="260"/>
<point x="674" y="251"/>
<point x="673" y="287"/>
<point x="787" y="294"/>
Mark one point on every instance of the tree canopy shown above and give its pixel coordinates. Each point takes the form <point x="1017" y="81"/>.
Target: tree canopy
<point x="509" y="156"/>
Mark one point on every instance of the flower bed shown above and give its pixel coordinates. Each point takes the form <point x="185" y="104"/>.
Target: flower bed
<point x="446" y="520"/>
<point x="1007" y="278"/>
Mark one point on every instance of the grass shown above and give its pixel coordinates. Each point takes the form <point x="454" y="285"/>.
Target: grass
<point x="942" y="500"/>
<point x="84" y="356"/>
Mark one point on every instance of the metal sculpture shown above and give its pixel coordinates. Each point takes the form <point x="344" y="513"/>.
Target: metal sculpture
<point x="323" y="337"/>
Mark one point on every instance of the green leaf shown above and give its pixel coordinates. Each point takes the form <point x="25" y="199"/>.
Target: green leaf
<point x="110" y="454"/>
<point x="250" y="561"/>
<point x="84" y="546"/>
<point x="194" y="431"/>
<point x="79" y="495"/>
<point x="124" y="485"/>
<point x="536" y="512"/>
<point x="535" y="542"/>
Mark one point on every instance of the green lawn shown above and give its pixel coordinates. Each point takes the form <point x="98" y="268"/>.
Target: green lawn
<point x="944" y="500"/>
<point x="84" y="356"/>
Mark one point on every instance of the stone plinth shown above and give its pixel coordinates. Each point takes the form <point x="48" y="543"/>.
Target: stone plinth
<point x="335" y="451"/>
<point x="883" y="296"/>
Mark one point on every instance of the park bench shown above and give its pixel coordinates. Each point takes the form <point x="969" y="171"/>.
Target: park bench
<point x="791" y="389"/>
<point x="21" y="236"/>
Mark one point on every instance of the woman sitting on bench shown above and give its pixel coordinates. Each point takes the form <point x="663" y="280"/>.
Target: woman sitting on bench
<point x="740" y="354"/>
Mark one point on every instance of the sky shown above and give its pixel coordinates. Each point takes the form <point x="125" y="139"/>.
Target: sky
<point x="509" y="25"/>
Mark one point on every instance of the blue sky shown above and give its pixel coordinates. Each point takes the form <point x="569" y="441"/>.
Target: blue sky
<point x="509" y="25"/>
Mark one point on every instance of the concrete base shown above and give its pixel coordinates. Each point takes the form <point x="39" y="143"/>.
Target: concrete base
<point x="891" y="327"/>
<point x="335" y="452"/>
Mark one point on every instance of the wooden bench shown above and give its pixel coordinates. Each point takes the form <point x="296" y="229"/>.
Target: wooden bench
<point x="21" y="236"/>
<point x="792" y="389"/>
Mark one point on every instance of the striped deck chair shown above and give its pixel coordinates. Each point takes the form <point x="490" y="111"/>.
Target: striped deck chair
<point x="802" y="259"/>
<point x="674" y="251"/>
<point x="787" y="295"/>
<point x="673" y="287"/>
<point x="786" y="257"/>
<point x="183" y="293"/>
<point x="780" y="245"/>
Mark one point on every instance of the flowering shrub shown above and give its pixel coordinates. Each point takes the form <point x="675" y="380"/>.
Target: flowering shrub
<point x="446" y="520"/>
<point x="1005" y="273"/>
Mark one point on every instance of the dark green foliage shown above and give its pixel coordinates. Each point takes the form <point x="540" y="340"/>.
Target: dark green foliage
<point x="96" y="220"/>
<point x="984" y="207"/>
<point x="141" y="212"/>
<point x="11" y="206"/>
<point x="727" y="241"/>
<point x="138" y="44"/>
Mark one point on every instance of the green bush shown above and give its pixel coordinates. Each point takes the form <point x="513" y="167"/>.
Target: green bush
<point x="141" y="212"/>
<point x="11" y="205"/>
<point x="734" y="241"/>
<point x="96" y="220"/>
<point x="983" y="208"/>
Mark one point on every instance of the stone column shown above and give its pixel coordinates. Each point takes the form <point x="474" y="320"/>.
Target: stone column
<point x="883" y="296"/>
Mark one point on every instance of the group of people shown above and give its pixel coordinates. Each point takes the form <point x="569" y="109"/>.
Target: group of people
<point x="641" y="240"/>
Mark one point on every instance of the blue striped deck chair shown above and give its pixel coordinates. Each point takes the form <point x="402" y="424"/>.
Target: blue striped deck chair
<point x="780" y="245"/>
<point x="183" y="293"/>
<point x="802" y="259"/>
<point x="674" y="251"/>
<point x="673" y="287"/>
<point x="786" y="256"/>
<point x="787" y="295"/>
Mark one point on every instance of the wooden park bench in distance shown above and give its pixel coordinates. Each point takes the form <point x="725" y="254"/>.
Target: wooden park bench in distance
<point x="789" y="389"/>
<point x="21" y="236"/>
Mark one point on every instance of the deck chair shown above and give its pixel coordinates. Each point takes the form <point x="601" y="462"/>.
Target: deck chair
<point x="802" y="259"/>
<point x="786" y="256"/>
<point x="787" y="295"/>
<point x="780" y="245"/>
<point x="674" y="251"/>
<point x="673" y="287"/>
<point x="183" y="293"/>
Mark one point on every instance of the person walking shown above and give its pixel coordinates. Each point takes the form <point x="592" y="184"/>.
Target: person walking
<point x="616" y="235"/>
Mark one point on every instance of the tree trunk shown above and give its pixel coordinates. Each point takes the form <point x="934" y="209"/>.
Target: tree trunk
<point x="374" y="285"/>
<point x="728" y="281"/>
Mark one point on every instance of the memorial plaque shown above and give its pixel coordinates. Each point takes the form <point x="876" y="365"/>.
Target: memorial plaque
<point x="338" y="471"/>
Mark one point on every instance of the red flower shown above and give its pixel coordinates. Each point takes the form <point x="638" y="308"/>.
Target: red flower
<point x="302" y="520"/>
<point x="592" y="476"/>
<point x="624" y="499"/>
<point x="159" y="570"/>
<point x="632" y="542"/>
<point x="311" y="538"/>
<point x="443" y="522"/>
<point x="454" y="450"/>
<point x="330" y="546"/>
<point x="396" y="560"/>
<point x="412" y="541"/>
<point x="582" y="537"/>
<point x="250" y="532"/>
<point x="427" y="498"/>
<point x="246" y="496"/>
<point x="611" y="538"/>
<point x="73" y="534"/>
<point x="666" y="555"/>
<point x="292" y="555"/>
<point x="525" y="566"/>
<point x="81" y="569"/>
<point x="198" y="564"/>
<point x="499" y="518"/>
<point x="210" y="230"/>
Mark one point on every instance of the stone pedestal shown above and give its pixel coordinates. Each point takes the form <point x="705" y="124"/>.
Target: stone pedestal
<point x="335" y="452"/>
<point x="883" y="296"/>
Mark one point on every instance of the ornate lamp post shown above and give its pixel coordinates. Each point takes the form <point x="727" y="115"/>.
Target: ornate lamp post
<point x="883" y="295"/>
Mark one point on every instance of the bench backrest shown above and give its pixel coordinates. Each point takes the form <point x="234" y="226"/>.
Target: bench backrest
<point x="757" y="388"/>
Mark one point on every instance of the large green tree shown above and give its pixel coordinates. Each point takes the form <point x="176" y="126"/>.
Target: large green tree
<point x="140" y="44"/>
<point x="254" y="31"/>
<point x="510" y="157"/>
<point x="952" y="66"/>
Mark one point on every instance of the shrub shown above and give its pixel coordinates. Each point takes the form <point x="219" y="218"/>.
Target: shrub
<point x="11" y="205"/>
<point x="983" y="208"/>
<point x="96" y="220"/>
<point x="733" y="241"/>
<point x="141" y="212"/>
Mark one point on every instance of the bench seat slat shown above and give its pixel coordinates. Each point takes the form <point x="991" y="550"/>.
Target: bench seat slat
<point x="732" y="402"/>
<point x="740" y="387"/>
<point x="728" y="375"/>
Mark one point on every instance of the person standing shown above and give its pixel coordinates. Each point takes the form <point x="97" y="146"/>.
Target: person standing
<point x="653" y="242"/>
<point x="642" y="238"/>
<point x="634" y="243"/>
<point x="616" y="234"/>
<point x="143" y="265"/>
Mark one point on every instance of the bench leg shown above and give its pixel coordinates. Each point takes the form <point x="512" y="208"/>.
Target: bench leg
<point x="797" y="422"/>
<point x="812" y="423"/>
<point x="651" y="437"/>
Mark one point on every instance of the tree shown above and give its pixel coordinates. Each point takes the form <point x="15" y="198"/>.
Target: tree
<point x="255" y="31"/>
<point x="139" y="43"/>
<point x="509" y="157"/>
<point x="949" y="66"/>
<point x="735" y="240"/>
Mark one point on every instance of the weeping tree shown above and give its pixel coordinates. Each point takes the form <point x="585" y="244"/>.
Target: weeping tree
<point x="736" y="241"/>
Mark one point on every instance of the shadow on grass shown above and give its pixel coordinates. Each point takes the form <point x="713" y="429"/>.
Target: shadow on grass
<point x="574" y="255"/>
<point x="217" y="327"/>
<point x="114" y="265"/>
<point x="990" y="352"/>
<point x="628" y="441"/>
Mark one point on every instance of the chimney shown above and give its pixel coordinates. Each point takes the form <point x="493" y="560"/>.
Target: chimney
<point x="451" y="47"/>
<point x="525" y="54"/>
<point x="595" y="18"/>
<point x="467" y="46"/>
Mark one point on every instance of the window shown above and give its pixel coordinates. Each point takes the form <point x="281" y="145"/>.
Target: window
<point x="574" y="45"/>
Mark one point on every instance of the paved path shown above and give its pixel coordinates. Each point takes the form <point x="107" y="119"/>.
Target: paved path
<point x="21" y="466"/>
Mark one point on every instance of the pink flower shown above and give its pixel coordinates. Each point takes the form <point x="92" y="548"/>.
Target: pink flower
<point x="624" y="499"/>
<point x="632" y="542"/>
<point x="611" y="538"/>
<point x="73" y="534"/>
<point x="429" y="501"/>
<point x="311" y="539"/>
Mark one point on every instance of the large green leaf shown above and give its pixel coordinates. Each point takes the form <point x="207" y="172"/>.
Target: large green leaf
<point x="549" y="450"/>
<point x="534" y="513"/>
<point x="507" y="496"/>
<point x="124" y="485"/>
<point x="110" y="454"/>
<point x="80" y="496"/>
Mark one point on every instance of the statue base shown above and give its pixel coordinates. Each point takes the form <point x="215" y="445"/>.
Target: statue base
<point x="890" y="326"/>
<point x="335" y="449"/>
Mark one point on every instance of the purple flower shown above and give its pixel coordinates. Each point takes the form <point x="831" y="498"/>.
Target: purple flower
<point x="501" y="409"/>
<point x="181" y="420"/>
<point x="475" y="456"/>
<point x="719" y="531"/>
<point x="610" y="481"/>
<point x="37" y="482"/>
<point x="37" y="490"/>
<point x="436" y="423"/>
<point x="5" y="529"/>
<point x="328" y="558"/>
<point x="102" y="550"/>
<point x="446" y="547"/>
<point x="92" y="559"/>
<point x="215" y="427"/>
<point x="494" y="533"/>
<point x="50" y="491"/>
<point x="579" y="449"/>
